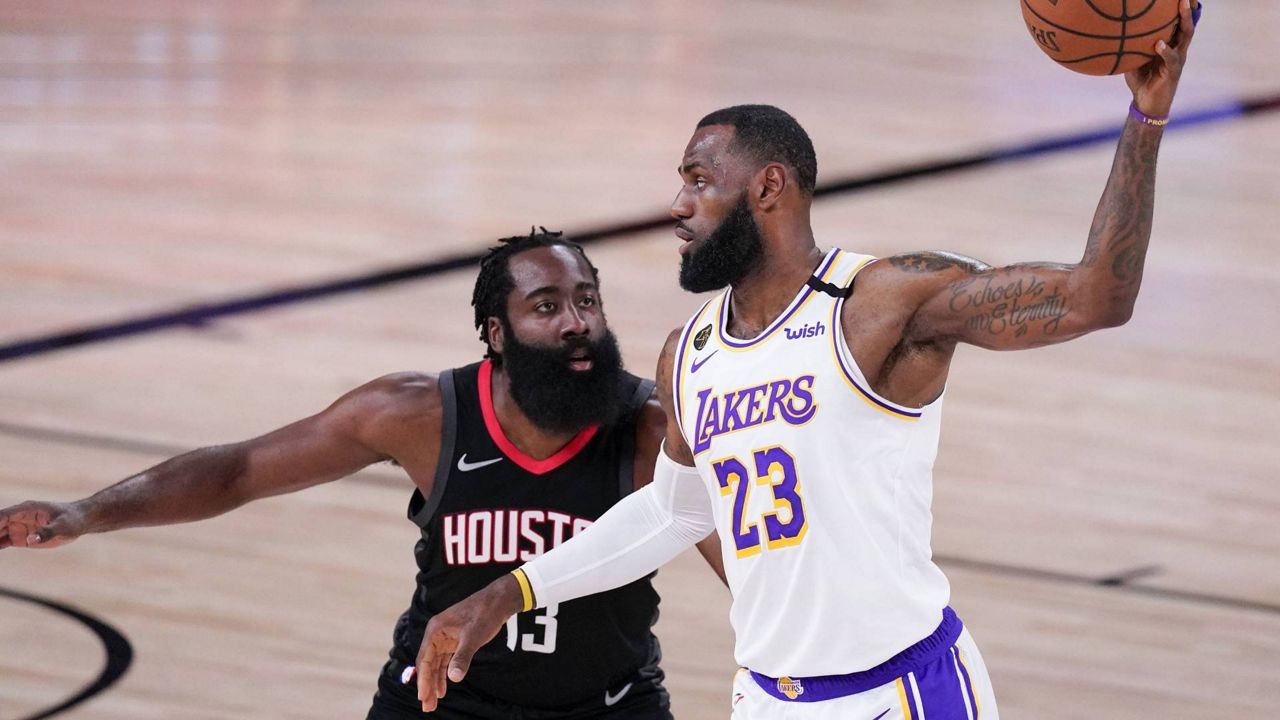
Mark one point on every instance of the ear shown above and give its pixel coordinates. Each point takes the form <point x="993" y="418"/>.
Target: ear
<point x="497" y="340"/>
<point x="771" y="183"/>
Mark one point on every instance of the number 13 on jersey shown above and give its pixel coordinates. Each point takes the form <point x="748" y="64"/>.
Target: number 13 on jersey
<point x="785" y="525"/>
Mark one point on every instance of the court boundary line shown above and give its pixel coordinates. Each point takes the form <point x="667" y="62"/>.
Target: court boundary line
<point x="201" y="313"/>
<point x="115" y="645"/>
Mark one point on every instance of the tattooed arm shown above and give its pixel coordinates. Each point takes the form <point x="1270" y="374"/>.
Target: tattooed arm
<point x="1028" y="305"/>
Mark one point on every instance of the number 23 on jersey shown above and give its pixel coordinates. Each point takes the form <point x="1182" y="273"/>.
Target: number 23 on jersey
<point x="785" y="525"/>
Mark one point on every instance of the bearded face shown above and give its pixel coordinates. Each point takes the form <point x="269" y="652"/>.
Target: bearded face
<point x="727" y="255"/>
<point x="566" y="388"/>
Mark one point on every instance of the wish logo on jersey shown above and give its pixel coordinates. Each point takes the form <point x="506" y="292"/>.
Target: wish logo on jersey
<point x="806" y="331"/>
<point x="788" y="399"/>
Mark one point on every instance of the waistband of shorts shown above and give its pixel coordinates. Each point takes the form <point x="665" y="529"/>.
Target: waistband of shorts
<point x="828" y="687"/>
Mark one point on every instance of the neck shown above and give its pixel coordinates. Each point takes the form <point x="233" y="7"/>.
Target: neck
<point x="520" y="430"/>
<point x="760" y="297"/>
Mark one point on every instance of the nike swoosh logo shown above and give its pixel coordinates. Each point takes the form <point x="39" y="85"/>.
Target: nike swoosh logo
<point x="693" y="368"/>
<point x="611" y="700"/>
<point x="465" y="466"/>
<point x="886" y="712"/>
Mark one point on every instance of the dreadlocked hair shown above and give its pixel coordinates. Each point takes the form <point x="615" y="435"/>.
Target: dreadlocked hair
<point x="494" y="283"/>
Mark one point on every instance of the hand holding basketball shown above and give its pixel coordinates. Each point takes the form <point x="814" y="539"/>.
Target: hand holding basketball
<point x="1154" y="84"/>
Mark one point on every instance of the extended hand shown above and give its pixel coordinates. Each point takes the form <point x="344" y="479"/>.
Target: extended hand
<point x="39" y="525"/>
<point x="1154" y="84"/>
<point x="453" y="637"/>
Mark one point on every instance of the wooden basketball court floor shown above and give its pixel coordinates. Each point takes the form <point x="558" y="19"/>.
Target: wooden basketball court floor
<point x="1108" y="510"/>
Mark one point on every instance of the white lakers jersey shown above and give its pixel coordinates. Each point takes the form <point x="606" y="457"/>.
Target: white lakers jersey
<point x="821" y="488"/>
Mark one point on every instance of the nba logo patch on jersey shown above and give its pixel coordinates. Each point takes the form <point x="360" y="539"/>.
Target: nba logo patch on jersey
<point x="700" y="340"/>
<point x="791" y="688"/>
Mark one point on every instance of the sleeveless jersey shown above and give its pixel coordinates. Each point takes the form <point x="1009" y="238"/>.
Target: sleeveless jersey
<point x="821" y="489"/>
<point x="491" y="509"/>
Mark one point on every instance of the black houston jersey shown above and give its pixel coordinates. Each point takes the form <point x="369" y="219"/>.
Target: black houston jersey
<point x="491" y="509"/>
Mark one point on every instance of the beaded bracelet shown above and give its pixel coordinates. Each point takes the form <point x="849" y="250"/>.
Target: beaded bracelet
<point x="1146" y="119"/>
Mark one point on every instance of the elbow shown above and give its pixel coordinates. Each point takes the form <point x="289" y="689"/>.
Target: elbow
<point x="1114" y="315"/>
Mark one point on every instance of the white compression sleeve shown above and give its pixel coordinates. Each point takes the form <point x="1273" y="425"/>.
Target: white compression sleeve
<point x="638" y="535"/>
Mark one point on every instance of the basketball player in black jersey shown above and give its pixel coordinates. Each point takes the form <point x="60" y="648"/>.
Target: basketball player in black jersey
<point x="510" y="457"/>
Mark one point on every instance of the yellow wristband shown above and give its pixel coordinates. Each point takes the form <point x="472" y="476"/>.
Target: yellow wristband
<point x="525" y="589"/>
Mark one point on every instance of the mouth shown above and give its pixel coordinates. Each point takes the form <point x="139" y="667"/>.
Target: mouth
<point x="686" y="237"/>
<point x="580" y="360"/>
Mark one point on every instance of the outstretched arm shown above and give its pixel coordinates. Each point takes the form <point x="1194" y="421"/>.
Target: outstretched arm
<point x="1034" y="304"/>
<point x="210" y="481"/>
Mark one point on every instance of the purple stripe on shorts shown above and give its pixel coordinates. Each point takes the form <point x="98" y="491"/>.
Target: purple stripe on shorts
<point x="929" y="651"/>
<point x="942" y="694"/>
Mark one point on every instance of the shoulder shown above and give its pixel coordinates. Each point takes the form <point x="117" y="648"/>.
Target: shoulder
<point x="651" y="419"/>
<point x="666" y="362"/>
<point x="651" y="429"/>
<point x="404" y="403"/>
<point x="403" y="392"/>
<point x="922" y="264"/>
<point x="908" y="279"/>
<point x="669" y="347"/>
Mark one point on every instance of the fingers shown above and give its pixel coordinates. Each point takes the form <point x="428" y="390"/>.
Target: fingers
<point x="33" y="525"/>
<point x="1186" y="23"/>
<point x="461" y="661"/>
<point x="21" y="515"/>
<point x="433" y="659"/>
<point x="427" y="694"/>
<point x="18" y="525"/>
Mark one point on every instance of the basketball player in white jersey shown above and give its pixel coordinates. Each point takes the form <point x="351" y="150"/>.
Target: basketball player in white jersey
<point x="804" y="406"/>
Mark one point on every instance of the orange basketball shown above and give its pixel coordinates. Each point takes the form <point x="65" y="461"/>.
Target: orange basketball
<point x="1100" y="37"/>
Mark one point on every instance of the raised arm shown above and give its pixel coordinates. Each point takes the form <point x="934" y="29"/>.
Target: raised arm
<point x="355" y="431"/>
<point x="1034" y="304"/>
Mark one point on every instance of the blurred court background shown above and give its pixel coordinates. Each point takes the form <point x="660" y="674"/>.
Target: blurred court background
<point x="1108" y="510"/>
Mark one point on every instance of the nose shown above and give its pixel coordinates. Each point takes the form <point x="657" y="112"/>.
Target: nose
<point x="682" y="206"/>
<point x="575" y="323"/>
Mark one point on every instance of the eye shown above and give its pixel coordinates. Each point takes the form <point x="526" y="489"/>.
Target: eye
<point x="545" y="307"/>
<point x="700" y="183"/>
<point x="587" y="301"/>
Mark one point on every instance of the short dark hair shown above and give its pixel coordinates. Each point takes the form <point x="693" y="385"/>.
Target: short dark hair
<point x="768" y="134"/>
<point x="494" y="282"/>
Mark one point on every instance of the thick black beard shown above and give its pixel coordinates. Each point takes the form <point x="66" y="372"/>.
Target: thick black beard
<point x="554" y="396"/>
<point x="731" y="251"/>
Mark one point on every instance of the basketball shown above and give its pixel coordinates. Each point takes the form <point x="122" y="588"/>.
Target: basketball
<point x="1100" y="37"/>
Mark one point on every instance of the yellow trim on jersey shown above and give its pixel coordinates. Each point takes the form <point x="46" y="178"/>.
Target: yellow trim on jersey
<point x="526" y="590"/>
<point x="902" y="698"/>
<point x="831" y="259"/>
